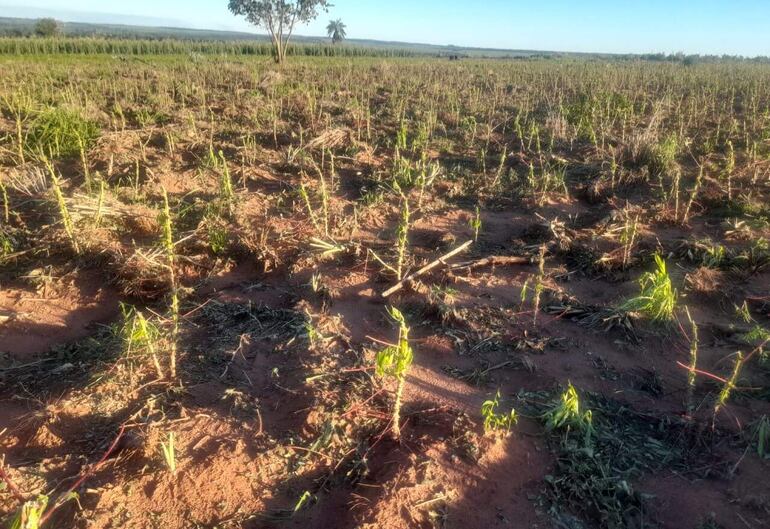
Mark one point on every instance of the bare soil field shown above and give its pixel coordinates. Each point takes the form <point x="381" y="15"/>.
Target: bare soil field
<point x="216" y="309"/>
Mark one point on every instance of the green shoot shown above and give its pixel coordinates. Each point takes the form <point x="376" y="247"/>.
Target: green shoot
<point x="475" y="224"/>
<point x="730" y="168"/>
<point x="302" y="502"/>
<point x="168" y="449"/>
<point x="306" y="199"/>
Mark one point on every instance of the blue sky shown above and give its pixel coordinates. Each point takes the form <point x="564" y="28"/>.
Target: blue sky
<point x="739" y="27"/>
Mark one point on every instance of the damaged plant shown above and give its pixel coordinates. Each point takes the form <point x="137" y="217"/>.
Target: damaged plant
<point x="394" y="361"/>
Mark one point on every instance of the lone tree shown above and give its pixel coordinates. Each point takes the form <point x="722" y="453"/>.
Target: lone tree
<point x="336" y="30"/>
<point x="279" y="17"/>
<point x="47" y="27"/>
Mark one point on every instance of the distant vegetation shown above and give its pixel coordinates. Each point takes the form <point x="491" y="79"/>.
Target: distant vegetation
<point x="47" y="27"/>
<point x="336" y="30"/>
<point x="279" y="18"/>
<point x="112" y="46"/>
<point x="88" y="39"/>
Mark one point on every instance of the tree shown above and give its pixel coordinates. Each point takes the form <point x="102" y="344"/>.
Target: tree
<point x="336" y="30"/>
<point x="47" y="27"/>
<point x="279" y="17"/>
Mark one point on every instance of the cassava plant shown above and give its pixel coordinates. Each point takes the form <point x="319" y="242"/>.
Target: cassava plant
<point x="729" y="385"/>
<point x="394" y="361"/>
<point x="402" y="237"/>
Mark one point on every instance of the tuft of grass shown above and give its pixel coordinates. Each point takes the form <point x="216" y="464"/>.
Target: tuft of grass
<point x="658" y="298"/>
<point x="661" y="157"/>
<point x="61" y="133"/>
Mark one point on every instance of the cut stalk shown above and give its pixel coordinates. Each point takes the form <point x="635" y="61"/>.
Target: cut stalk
<point x="63" y="211"/>
<point x="168" y="245"/>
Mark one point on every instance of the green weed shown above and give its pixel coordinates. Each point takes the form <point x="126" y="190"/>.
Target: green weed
<point x="497" y="421"/>
<point x="61" y="133"/>
<point x="567" y="415"/>
<point x="658" y="298"/>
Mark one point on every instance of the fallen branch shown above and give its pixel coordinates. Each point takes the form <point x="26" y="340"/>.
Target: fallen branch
<point x="425" y="269"/>
<point x="496" y="260"/>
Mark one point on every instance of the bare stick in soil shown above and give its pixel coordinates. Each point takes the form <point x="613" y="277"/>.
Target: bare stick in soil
<point x="425" y="269"/>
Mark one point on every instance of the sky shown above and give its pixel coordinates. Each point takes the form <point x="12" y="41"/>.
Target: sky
<point x="736" y="27"/>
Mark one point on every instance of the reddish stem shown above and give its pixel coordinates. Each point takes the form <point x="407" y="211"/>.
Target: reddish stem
<point x="11" y="486"/>
<point x="85" y="475"/>
<point x="704" y="373"/>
